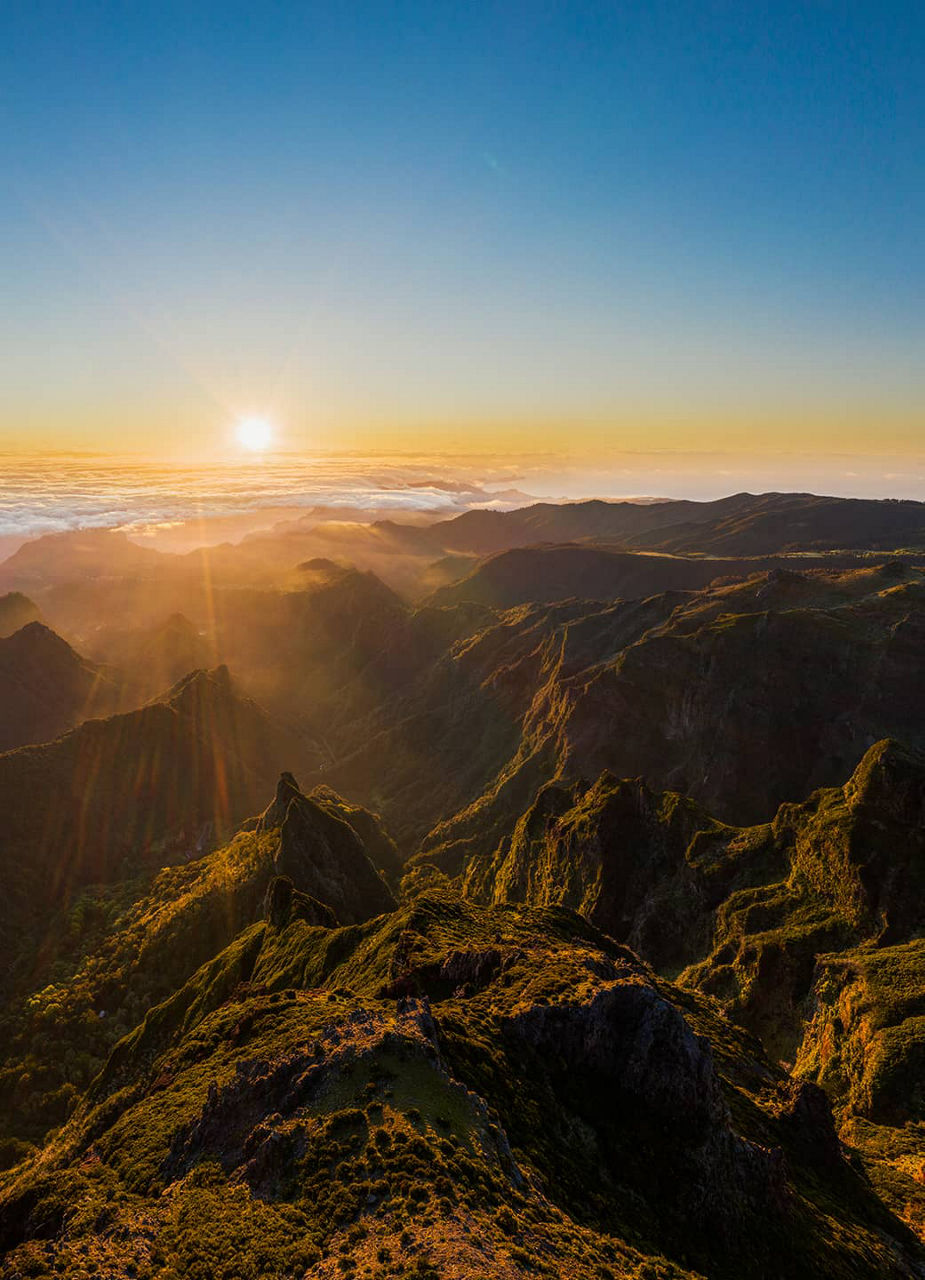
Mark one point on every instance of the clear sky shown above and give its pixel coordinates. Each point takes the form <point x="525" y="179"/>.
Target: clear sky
<point x="515" y="225"/>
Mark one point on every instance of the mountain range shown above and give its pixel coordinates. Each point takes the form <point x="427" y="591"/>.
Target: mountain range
<point x="547" y="903"/>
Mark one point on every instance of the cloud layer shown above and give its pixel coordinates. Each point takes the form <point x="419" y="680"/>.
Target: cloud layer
<point x="53" y="494"/>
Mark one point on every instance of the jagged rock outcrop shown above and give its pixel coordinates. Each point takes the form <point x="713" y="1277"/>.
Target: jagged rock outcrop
<point x="284" y="903"/>
<point x="805" y="929"/>
<point x="852" y="871"/>
<point x="273" y="817"/>
<point x="620" y="854"/>
<point x="164" y="931"/>
<point x="627" y="1045"/>
<point x="322" y="854"/>
<point x="746" y="911"/>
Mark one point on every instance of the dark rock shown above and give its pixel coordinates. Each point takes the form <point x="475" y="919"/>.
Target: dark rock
<point x="324" y="857"/>
<point x="287" y="790"/>
<point x="284" y="903"/>
<point x="805" y="1114"/>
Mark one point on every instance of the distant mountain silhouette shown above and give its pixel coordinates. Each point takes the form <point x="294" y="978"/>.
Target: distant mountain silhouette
<point x="46" y="688"/>
<point x="742" y="524"/>
<point x="485" y="532"/>
<point x="801" y="522"/>
<point x="16" y="611"/>
<point x="151" y="659"/>
<point x="86" y="554"/>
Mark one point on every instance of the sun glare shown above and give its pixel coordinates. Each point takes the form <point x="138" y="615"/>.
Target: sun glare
<point x="254" y="434"/>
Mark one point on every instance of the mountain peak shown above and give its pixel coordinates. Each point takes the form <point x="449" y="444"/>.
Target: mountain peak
<point x="46" y="687"/>
<point x="891" y="778"/>
<point x="287" y="790"/>
<point x="200" y="686"/>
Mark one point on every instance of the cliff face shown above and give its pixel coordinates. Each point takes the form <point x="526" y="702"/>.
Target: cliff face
<point x="744" y="911"/>
<point x="320" y="852"/>
<point x="619" y="853"/>
<point x="744" y="696"/>
<point x="864" y="1043"/>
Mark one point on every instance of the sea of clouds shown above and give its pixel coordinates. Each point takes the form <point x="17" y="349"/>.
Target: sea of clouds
<point x="52" y="494"/>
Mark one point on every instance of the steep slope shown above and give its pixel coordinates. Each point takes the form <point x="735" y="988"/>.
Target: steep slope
<point x="295" y="647"/>
<point x="446" y="1091"/>
<point x="735" y="696"/>
<point x="309" y="650"/>
<point x="455" y="725"/>
<point x="864" y="1041"/>
<point x="46" y="688"/>
<point x="117" y="949"/>
<point x="648" y="868"/>
<point x="752" y="906"/>
<point x="807" y="930"/>
<point x="321" y="853"/>
<point x="133" y="791"/>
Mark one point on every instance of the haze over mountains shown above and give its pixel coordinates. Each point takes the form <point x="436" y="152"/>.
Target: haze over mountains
<point x="529" y="892"/>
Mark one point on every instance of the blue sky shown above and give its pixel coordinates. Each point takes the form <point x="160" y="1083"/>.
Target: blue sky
<point x="655" y="224"/>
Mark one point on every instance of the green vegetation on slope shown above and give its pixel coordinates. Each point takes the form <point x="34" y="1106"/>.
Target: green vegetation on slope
<point x="448" y="1090"/>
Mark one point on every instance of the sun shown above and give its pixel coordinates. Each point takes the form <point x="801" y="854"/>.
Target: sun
<point x="254" y="434"/>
